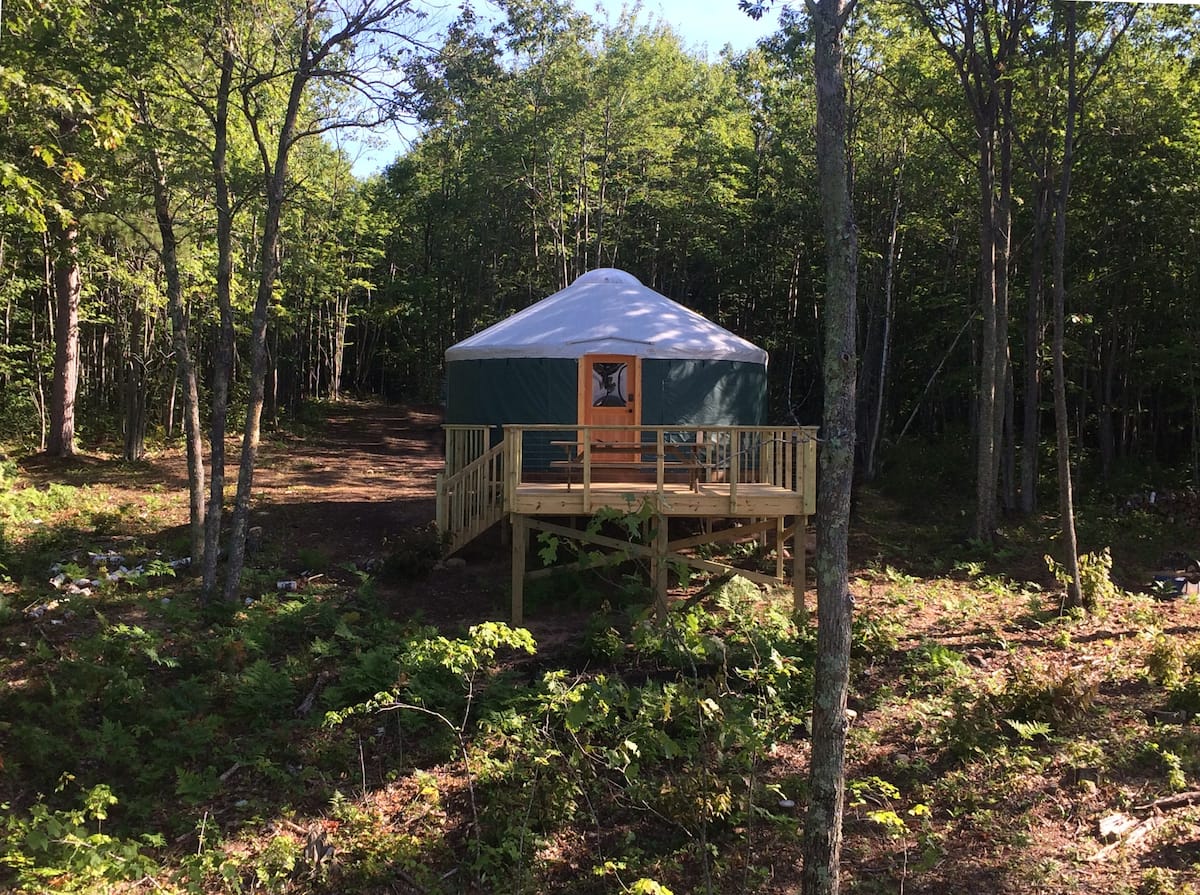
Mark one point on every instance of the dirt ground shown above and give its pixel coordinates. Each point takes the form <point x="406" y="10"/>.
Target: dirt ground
<point x="369" y="475"/>
<point x="346" y="491"/>
<point x="328" y="496"/>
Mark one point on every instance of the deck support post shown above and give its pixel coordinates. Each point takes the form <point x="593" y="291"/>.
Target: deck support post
<point x="520" y="546"/>
<point x="799" y="547"/>
<point x="440" y="515"/>
<point x="658" y="566"/>
<point x="780" y="540"/>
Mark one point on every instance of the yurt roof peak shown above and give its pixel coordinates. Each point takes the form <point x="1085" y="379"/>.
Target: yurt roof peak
<point x="607" y="311"/>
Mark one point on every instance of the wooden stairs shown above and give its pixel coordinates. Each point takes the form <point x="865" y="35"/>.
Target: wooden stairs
<point x="470" y="500"/>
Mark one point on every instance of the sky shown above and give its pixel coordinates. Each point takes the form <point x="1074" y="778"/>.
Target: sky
<point x="704" y="26"/>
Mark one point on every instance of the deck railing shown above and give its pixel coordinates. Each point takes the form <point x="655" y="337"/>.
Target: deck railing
<point x="734" y="456"/>
<point x="480" y="482"/>
<point x="471" y="501"/>
<point x="464" y="445"/>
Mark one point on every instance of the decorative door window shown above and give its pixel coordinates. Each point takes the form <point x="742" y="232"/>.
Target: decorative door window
<point x="610" y="384"/>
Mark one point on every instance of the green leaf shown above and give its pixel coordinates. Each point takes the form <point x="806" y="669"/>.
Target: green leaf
<point x="577" y="714"/>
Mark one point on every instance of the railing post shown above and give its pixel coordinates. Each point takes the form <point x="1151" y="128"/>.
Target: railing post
<point x="799" y="548"/>
<point x="520" y="546"/>
<point x="440" y="513"/>
<point x="659" y="568"/>
<point x="735" y="462"/>
<point x="512" y="463"/>
<point x="809" y="488"/>
<point x="587" y="470"/>
<point x="766" y="469"/>
<point x="789" y="461"/>
<point x="660" y="468"/>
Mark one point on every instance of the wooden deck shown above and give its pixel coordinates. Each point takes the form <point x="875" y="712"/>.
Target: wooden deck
<point x="762" y="475"/>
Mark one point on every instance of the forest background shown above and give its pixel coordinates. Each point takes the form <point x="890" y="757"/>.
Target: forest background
<point x="550" y="145"/>
<point x="182" y="247"/>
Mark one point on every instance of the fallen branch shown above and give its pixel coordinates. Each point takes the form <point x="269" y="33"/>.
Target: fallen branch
<point x="306" y="706"/>
<point x="1169" y="803"/>
<point x="716" y="584"/>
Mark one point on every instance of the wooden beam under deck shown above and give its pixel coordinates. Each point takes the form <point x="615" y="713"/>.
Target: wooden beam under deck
<point x="660" y="554"/>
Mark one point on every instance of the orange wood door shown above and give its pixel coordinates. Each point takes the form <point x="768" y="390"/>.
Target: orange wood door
<point x="609" y="396"/>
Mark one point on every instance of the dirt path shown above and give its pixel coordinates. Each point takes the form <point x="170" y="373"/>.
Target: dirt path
<point x="344" y="491"/>
<point x="356" y="487"/>
<point x="351" y="486"/>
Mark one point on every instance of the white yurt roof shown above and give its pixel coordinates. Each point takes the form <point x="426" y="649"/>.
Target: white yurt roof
<point x="607" y="311"/>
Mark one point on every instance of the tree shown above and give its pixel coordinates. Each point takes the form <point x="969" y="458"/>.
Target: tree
<point x="835" y="465"/>
<point x="827" y="775"/>
<point x="62" y="58"/>
<point x="1074" y="96"/>
<point x="982" y="38"/>
<point x="332" y="46"/>
<point x="193" y="430"/>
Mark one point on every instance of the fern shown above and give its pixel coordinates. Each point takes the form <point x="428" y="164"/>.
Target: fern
<point x="1028" y="731"/>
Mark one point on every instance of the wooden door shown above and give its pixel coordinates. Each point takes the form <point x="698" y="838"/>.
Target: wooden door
<point x="609" y="396"/>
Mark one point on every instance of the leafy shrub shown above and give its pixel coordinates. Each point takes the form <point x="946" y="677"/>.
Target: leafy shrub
<point x="1095" y="578"/>
<point x="1171" y="764"/>
<point x="278" y="863"/>
<point x="934" y="661"/>
<point x="1037" y="697"/>
<point x="69" y="846"/>
<point x="1165" y="661"/>
<point x="1185" y="696"/>
<point x="263" y="691"/>
<point x="1055" y="690"/>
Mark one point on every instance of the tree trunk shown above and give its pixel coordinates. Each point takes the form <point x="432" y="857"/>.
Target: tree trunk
<point x="341" y="323"/>
<point x="827" y="774"/>
<point x="276" y="172"/>
<point x="133" y="387"/>
<point x="1008" y="453"/>
<point x="60" y="440"/>
<point x="1066" y="503"/>
<point x="223" y="353"/>
<point x="1031" y="423"/>
<point x="1003" y="231"/>
<point x="1107" y="433"/>
<point x="889" y="279"/>
<point x="985" y="433"/>
<point x="268" y="261"/>
<point x="183" y="359"/>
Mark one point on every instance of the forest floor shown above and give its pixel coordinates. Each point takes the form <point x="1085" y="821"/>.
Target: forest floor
<point x="148" y="743"/>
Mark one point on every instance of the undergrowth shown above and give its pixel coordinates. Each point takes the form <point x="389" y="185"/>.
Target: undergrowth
<point x="147" y="735"/>
<point x="236" y="748"/>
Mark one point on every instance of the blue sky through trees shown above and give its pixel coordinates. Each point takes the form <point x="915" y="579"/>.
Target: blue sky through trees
<point x="705" y="26"/>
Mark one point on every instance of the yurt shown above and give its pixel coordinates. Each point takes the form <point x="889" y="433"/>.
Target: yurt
<point x="606" y="350"/>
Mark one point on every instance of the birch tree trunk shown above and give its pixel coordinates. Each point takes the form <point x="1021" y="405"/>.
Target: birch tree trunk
<point x="223" y="352"/>
<point x="1002" y="446"/>
<point x="268" y="260"/>
<point x="985" y="433"/>
<point x="889" y="280"/>
<point x="1030" y="427"/>
<point x="1066" y="501"/>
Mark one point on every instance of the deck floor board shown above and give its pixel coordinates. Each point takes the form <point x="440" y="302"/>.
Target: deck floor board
<point x="672" y="499"/>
